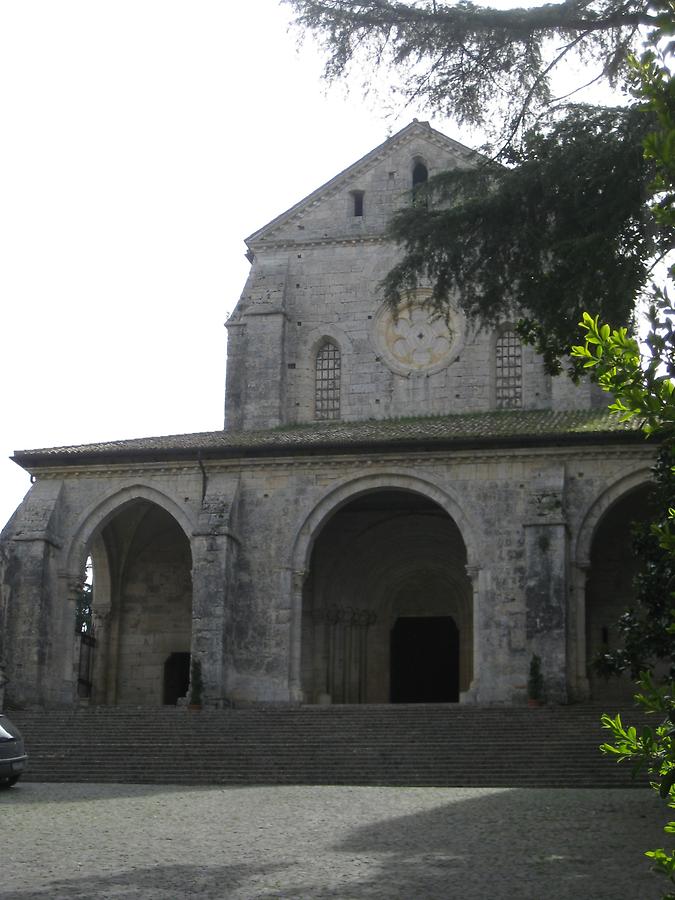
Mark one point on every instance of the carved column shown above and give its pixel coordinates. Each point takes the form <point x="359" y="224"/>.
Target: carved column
<point x="364" y="619"/>
<point x="346" y="631"/>
<point x="69" y="589"/>
<point x="101" y="631"/>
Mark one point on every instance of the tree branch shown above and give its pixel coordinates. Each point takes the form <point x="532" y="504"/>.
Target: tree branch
<point x="540" y="77"/>
<point x="521" y="22"/>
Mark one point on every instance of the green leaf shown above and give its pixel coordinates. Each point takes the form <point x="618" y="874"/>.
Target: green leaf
<point x="667" y="783"/>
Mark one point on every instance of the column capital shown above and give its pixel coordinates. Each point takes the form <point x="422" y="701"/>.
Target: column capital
<point x="473" y="571"/>
<point x="298" y="577"/>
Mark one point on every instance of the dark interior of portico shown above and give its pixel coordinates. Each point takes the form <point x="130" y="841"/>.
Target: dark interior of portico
<point x="425" y="660"/>
<point x="387" y="614"/>
<point x="142" y="608"/>
<point x="610" y="589"/>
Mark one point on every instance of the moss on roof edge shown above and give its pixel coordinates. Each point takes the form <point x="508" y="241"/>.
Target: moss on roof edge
<point x="460" y="431"/>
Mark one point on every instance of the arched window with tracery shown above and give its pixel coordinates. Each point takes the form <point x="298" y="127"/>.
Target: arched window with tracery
<point x="327" y="382"/>
<point x="509" y="370"/>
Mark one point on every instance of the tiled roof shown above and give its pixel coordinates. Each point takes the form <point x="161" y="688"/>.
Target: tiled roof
<point x="512" y="427"/>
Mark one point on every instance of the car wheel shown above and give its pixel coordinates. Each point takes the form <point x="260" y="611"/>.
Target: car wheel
<point x="8" y="782"/>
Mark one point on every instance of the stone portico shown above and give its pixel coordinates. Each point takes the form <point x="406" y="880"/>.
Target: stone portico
<point x="399" y="509"/>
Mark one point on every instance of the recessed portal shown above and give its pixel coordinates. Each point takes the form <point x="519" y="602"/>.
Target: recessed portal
<point x="176" y="678"/>
<point x="425" y="660"/>
<point x="387" y="605"/>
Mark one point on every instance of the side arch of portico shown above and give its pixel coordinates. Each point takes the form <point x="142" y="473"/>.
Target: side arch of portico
<point x="332" y="501"/>
<point x="93" y="519"/>
<point x="146" y="506"/>
<point x="581" y="565"/>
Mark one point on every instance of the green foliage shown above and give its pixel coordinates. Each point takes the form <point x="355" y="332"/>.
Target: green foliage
<point x="535" y="681"/>
<point x="651" y="750"/>
<point x="641" y="379"/>
<point x="562" y="226"/>
<point x="654" y="85"/>
<point x="478" y="65"/>
<point x="566" y="228"/>
<point x="640" y="375"/>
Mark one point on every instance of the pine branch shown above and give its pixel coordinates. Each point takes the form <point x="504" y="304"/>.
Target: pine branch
<point x="449" y="57"/>
<point x="466" y="17"/>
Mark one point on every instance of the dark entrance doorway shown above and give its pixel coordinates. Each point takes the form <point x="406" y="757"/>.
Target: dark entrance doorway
<point x="425" y="660"/>
<point x="176" y="677"/>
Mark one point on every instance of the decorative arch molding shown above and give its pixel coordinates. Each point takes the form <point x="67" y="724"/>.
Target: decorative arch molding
<point x="459" y="601"/>
<point x="591" y="520"/>
<point x="352" y="488"/>
<point x="319" y="336"/>
<point x="498" y="331"/>
<point x="97" y="516"/>
<point x="422" y="557"/>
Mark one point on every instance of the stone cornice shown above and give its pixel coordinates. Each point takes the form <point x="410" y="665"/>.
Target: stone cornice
<point x="310" y="243"/>
<point x="374" y="460"/>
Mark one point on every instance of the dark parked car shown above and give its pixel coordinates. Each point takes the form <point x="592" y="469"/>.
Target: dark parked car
<point x="12" y="753"/>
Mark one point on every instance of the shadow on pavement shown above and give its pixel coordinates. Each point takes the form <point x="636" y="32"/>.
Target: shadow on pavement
<point x="164" y="882"/>
<point x="391" y="844"/>
<point x="34" y="792"/>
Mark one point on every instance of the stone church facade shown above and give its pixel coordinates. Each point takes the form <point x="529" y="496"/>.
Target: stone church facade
<point x="399" y="509"/>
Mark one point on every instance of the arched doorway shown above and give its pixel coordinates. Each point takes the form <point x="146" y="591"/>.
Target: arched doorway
<point x="424" y="660"/>
<point x="387" y="571"/>
<point x="142" y="607"/>
<point x="610" y="589"/>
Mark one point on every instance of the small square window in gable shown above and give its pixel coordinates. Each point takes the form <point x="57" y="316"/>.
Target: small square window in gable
<point x="357" y="203"/>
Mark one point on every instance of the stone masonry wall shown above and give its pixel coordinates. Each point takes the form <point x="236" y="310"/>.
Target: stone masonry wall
<point x="155" y="608"/>
<point x="316" y="276"/>
<point x="248" y="632"/>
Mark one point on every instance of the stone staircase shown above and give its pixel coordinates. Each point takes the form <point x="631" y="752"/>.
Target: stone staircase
<point x="441" y="745"/>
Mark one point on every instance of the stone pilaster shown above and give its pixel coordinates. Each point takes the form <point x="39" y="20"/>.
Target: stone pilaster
<point x="579" y="684"/>
<point x="472" y="695"/>
<point x="256" y="369"/>
<point x="546" y="580"/>
<point x="297" y="581"/>
<point x="32" y="594"/>
<point x="213" y="549"/>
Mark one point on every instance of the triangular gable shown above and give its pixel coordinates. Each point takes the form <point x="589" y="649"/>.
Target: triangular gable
<point x="415" y="129"/>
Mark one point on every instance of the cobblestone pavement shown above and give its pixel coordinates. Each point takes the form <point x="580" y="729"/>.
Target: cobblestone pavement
<point x="82" y="841"/>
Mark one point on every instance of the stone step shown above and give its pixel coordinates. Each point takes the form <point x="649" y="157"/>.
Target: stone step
<point x="399" y="745"/>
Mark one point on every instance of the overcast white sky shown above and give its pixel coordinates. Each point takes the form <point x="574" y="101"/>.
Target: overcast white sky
<point x="142" y="141"/>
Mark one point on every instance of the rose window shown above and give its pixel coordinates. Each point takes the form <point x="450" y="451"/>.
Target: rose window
<point x="416" y="339"/>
